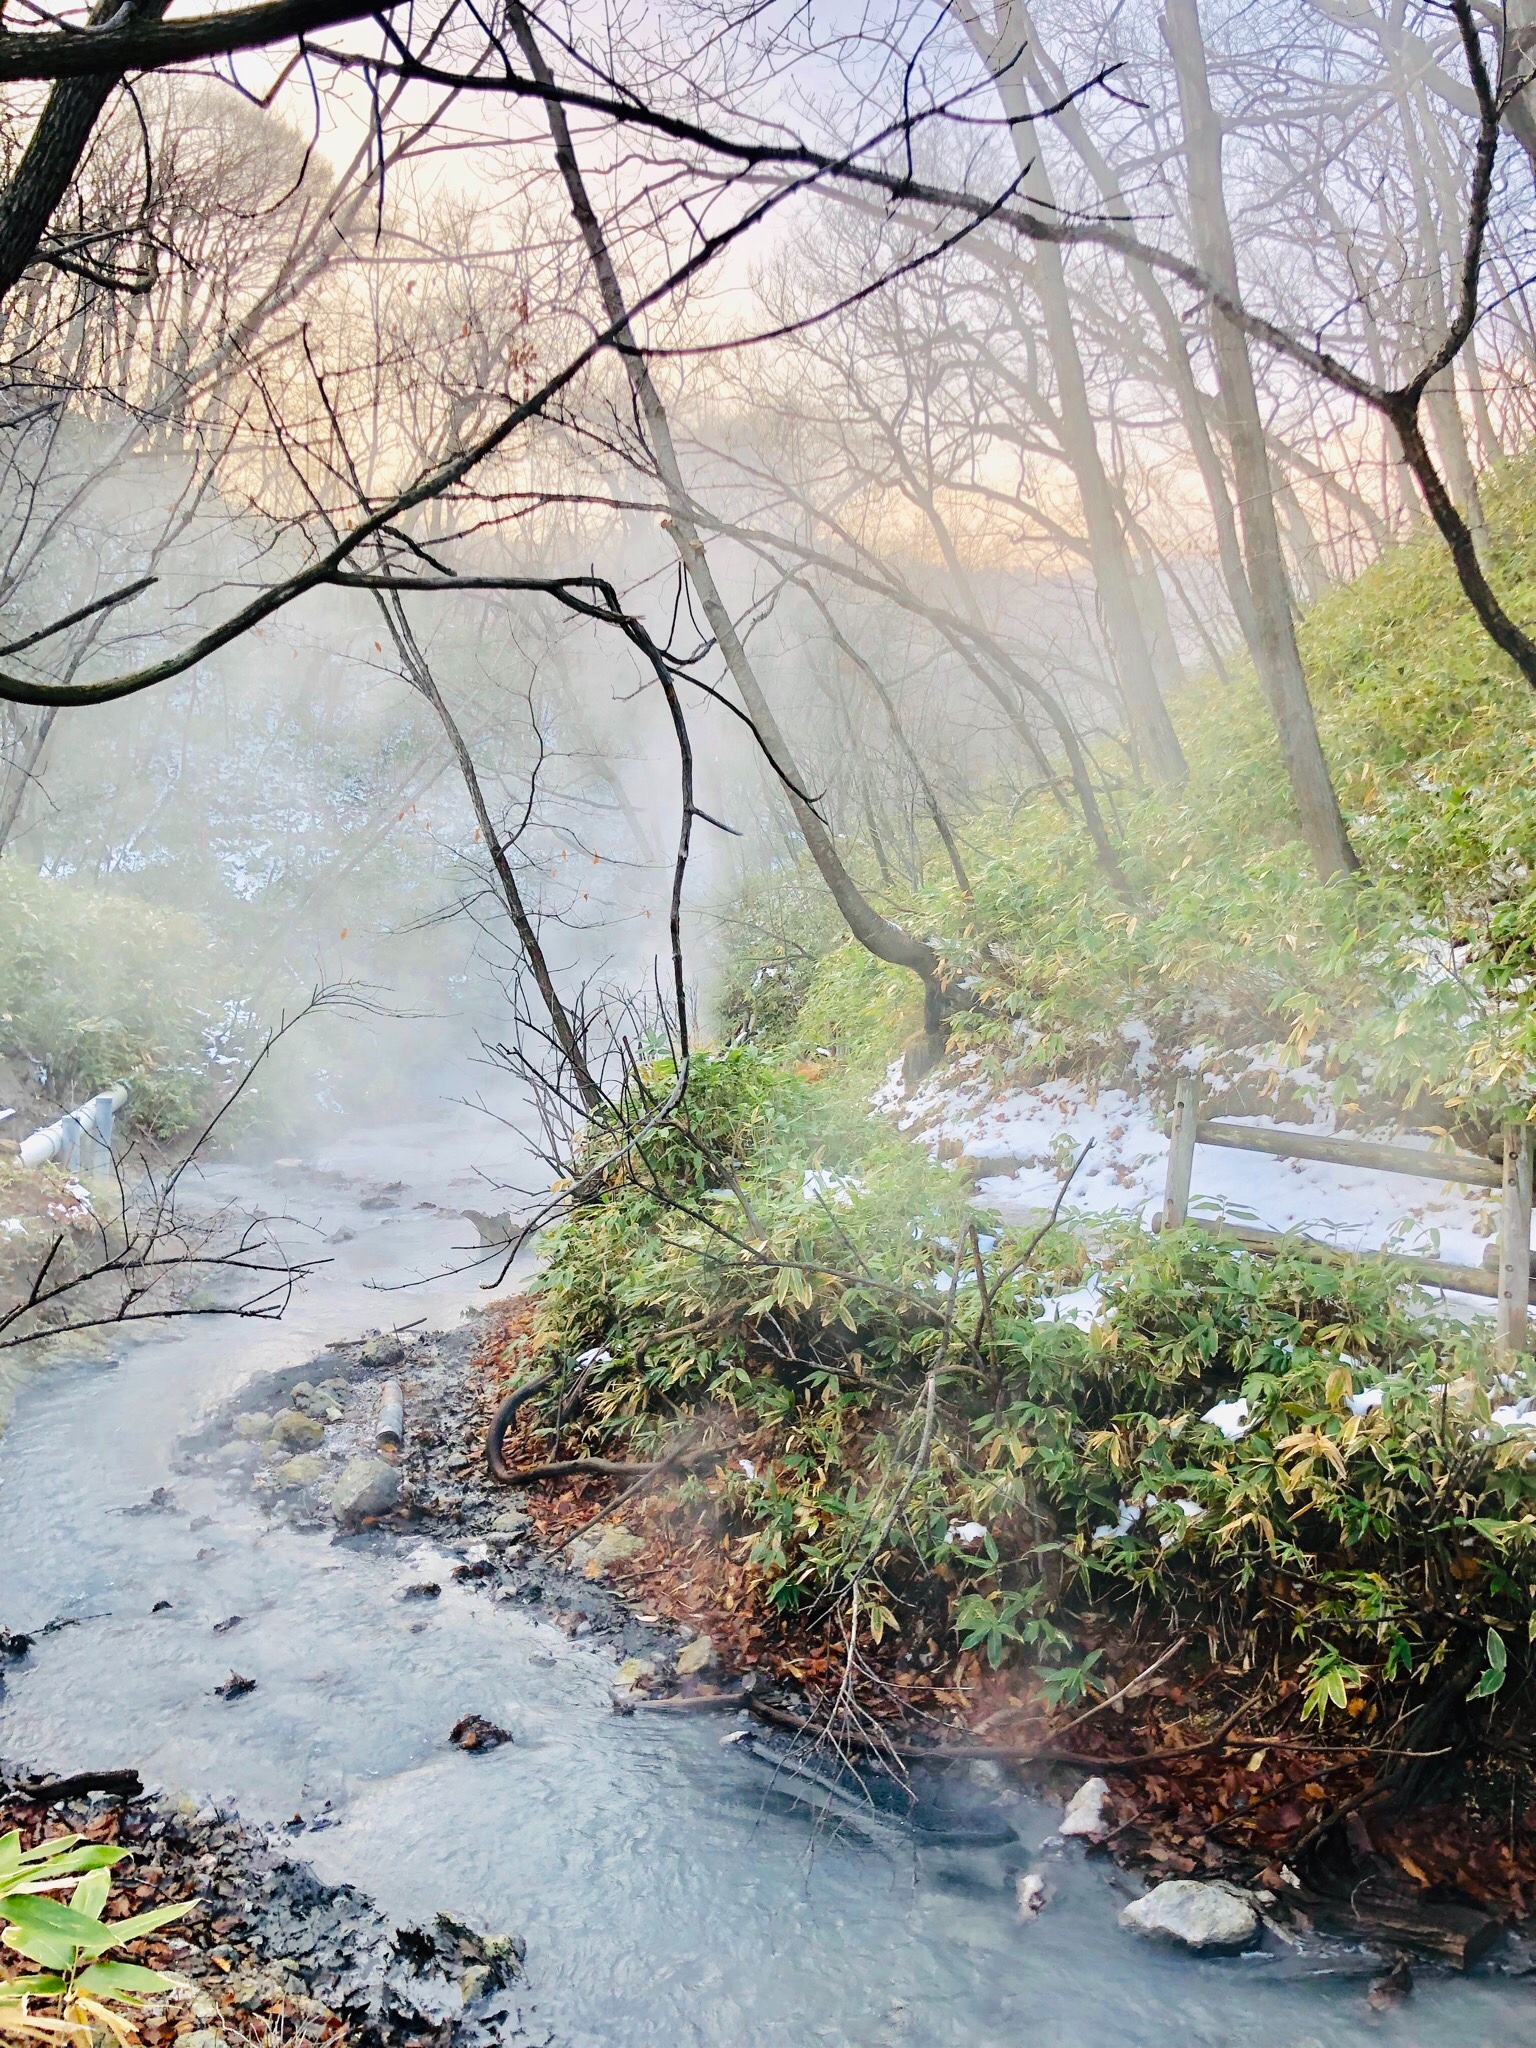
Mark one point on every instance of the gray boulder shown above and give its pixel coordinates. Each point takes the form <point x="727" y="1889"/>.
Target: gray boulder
<point x="298" y="1432"/>
<point x="367" y="1488"/>
<point x="1213" y="1918"/>
<point x="592" y="1555"/>
<point x="314" y="1402"/>
<point x="304" y="1470"/>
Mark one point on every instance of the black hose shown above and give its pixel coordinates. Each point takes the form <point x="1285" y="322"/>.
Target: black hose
<point x="503" y="1419"/>
<point x="570" y="1394"/>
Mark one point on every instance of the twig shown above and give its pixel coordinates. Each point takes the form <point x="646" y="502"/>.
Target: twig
<point x="1048" y="1225"/>
<point x="1331" y="1820"/>
<point x="1088" y="1713"/>
<point x="696" y="1703"/>
<point x="645" y="1474"/>
<point x="1000" y="1752"/>
<point x="566" y="1468"/>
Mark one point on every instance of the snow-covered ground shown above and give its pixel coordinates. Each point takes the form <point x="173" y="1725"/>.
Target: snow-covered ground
<point x="1047" y="1126"/>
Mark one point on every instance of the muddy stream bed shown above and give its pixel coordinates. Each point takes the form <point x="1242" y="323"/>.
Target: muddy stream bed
<point x="666" y="1892"/>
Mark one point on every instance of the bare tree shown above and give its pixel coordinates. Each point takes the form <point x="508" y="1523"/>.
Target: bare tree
<point x="1275" y="652"/>
<point x="151" y="1252"/>
<point x="877" y="934"/>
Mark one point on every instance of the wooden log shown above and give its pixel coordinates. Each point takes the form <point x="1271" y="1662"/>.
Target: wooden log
<point x="1430" y="1272"/>
<point x="1514" y="1294"/>
<point x="1182" y="1134"/>
<point x="1460" y="1934"/>
<point x="1464" y="1167"/>
<point x="52" y="1792"/>
<point x="1491" y="1259"/>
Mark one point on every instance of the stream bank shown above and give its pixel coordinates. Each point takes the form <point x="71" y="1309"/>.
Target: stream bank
<point x="269" y="1949"/>
<point x="669" y="1888"/>
<point x="1190" y="1794"/>
<point x="645" y="1576"/>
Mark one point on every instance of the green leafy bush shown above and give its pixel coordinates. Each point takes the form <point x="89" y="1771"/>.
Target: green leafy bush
<point x="97" y="987"/>
<point x="1360" y="1503"/>
<point x="81" y="1990"/>
<point x="1362" y="1517"/>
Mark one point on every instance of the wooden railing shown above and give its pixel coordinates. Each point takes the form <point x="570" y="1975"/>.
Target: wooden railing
<point x="1508" y="1284"/>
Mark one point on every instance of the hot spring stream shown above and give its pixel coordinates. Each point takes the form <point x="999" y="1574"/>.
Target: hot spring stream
<point x="664" y="1896"/>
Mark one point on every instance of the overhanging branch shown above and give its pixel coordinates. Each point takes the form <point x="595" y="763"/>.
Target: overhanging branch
<point x="157" y="46"/>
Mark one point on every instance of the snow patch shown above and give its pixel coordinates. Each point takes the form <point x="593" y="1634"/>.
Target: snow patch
<point x="1035" y="1134"/>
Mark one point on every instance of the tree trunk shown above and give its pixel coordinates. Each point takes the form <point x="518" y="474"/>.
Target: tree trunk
<point x="1229" y="547"/>
<point x="21" y="770"/>
<point x="1517" y="59"/>
<point x="1050" y="84"/>
<point x="877" y="934"/>
<point x="52" y="156"/>
<point x="1276" y="654"/>
<point x="567" y="1034"/>
<point x="1150" y="724"/>
<point x="1440" y="398"/>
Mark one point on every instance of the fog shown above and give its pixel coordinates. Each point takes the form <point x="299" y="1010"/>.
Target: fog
<point x="626" y="632"/>
<point x="420" y="457"/>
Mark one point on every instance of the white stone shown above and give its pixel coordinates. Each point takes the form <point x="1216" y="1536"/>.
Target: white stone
<point x="1085" y="1810"/>
<point x="695" y="1656"/>
<point x="1210" y="1917"/>
<point x="1031" y="1892"/>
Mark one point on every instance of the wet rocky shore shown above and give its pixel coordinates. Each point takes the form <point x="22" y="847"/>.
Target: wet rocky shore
<point x="305" y="1441"/>
<point x="269" y="1947"/>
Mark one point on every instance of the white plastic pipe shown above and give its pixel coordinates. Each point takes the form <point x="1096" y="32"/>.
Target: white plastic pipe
<point x="81" y="1141"/>
<point x="391" y="1429"/>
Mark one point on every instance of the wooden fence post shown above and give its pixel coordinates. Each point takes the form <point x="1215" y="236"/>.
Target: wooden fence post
<point x="1515" y="1241"/>
<point x="1181" y="1151"/>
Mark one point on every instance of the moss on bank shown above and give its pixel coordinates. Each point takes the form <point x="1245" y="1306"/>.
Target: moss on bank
<point x="1409" y="994"/>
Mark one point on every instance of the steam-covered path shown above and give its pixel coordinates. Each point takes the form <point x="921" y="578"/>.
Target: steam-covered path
<point x="663" y="1898"/>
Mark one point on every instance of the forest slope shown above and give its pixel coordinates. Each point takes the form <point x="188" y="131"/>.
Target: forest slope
<point x="920" y="1490"/>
